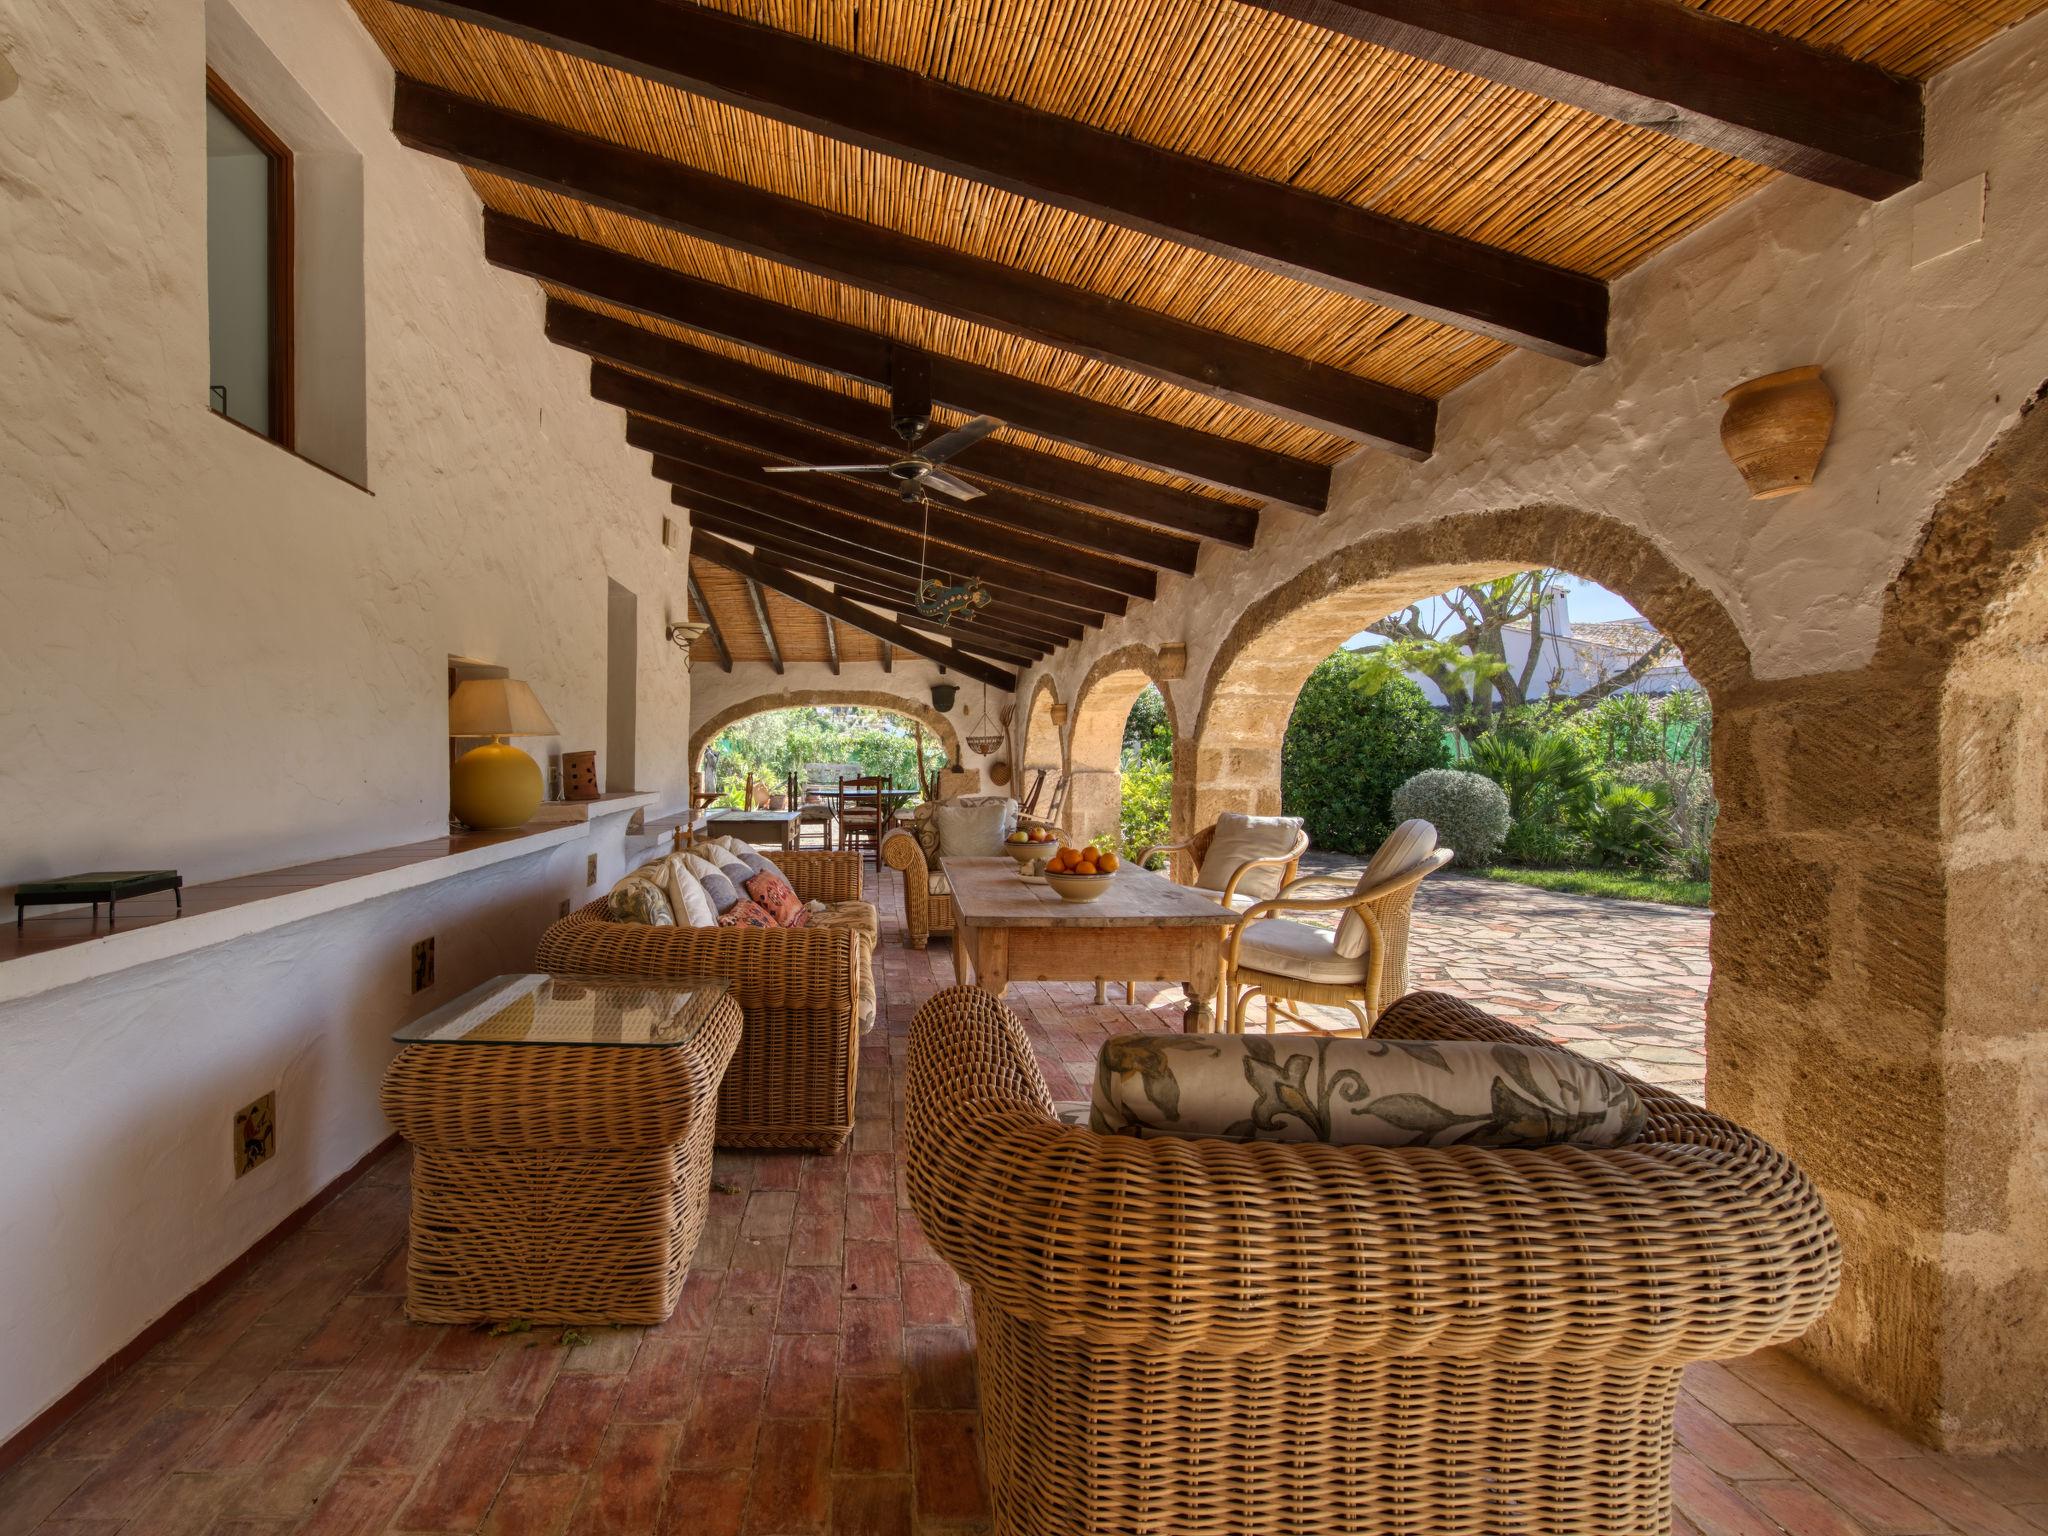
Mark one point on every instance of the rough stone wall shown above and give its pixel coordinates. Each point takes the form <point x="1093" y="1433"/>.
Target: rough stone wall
<point x="1095" y="738"/>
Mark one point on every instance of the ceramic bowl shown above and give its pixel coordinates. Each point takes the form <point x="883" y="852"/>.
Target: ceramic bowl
<point x="1079" y="887"/>
<point x="1028" y="854"/>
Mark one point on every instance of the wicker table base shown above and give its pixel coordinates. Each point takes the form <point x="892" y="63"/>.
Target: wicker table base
<point x="557" y="1183"/>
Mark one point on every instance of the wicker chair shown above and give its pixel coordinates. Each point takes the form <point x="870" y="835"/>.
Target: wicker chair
<point x="1205" y="1336"/>
<point x="1287" y="866"/>
<point x="791" y="1083"/>
<point x="927" y="902"/>
<point x="1313" y="973"/>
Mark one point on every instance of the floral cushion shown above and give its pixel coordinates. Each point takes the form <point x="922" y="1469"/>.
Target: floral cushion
<point x="1384" y="1093"/>
<point x="783" y="904"/>
<point x="746" y="914"/>
<point x="638" y="899"/>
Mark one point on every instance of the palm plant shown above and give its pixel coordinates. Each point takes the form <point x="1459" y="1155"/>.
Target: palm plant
<point x="1529" y="765"/>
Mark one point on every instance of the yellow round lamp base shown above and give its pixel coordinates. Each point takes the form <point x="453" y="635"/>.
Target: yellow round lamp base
<point x="494" y="786"/>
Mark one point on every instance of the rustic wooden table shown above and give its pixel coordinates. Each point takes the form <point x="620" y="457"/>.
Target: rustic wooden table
<point x="1144" y="928"/>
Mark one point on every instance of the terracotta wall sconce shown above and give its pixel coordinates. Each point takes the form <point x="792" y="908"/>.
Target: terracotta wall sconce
<point x="1776" y="428"/>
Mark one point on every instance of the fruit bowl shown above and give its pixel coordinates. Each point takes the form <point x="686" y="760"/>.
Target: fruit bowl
<point x="1029" y="855"/>
<point x="1079" y="887"/>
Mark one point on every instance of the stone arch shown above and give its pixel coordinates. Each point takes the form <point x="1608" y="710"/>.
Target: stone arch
<point x="1095" y="736"/>
<point x="802" y="698"/>
<point x="1041" y="745"/>
<point x="1277" y="641"/>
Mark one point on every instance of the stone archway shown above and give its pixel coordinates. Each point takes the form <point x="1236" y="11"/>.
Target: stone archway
<point x="1281" y="638"/>
<point x="1095" y="737"/>
<point x="768" y="703"/>
<point x="1042" y="747"/>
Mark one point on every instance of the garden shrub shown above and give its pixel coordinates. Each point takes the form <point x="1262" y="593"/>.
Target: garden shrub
<point x="1468" y="810"/>
<point x="1147" y="808"/>
<point x="1346" y="752"/>
<point x="1630" y="825"/>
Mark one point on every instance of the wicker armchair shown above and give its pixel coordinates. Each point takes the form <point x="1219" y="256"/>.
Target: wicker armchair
<point x="1287" y="866"/>
<point x="927" y="901"/>
<point x="791" y="1082"/>
<point x="1204" y="1336"/>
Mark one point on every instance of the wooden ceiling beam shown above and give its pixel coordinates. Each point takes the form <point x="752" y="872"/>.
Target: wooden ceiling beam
<point x="1325" y="242"/>
<point x="810" y="593"/>
<point x="831" y="644"/>
<point x="598" y="272"/>
<point x="875" y="259"/>
<point x="888" y="657"/>
<point x="711" y="624"/>
<point x="726" y="379"/>
<point x="1016" y="588"/>
<point x="767" y="625"/>
<point x="1761" y="97"/>
<point x="793" y="443"/>
<point x="1097" y="573"/>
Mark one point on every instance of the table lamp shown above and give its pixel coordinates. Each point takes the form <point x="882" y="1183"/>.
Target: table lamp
<point x="495" y="785"/>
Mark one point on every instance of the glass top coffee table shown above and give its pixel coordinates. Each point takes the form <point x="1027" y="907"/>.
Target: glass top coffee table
<point x="561" y="1129"/>
<point x="571" y="1010"/>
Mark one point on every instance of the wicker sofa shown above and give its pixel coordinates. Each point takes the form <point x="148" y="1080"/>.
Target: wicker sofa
<point x="927" y="902"/>
<point x="792" y="1080"/>
<point x="1207" y="1336"/>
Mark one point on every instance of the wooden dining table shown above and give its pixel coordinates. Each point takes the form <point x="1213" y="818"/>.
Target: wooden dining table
<point x="1008" y="927"/>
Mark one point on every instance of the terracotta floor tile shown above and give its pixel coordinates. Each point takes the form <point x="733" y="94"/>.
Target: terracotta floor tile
<point x="344" y="1331"/>
<point x="1943" y="1493"/>
<point x="534" y="1504"/>
<point x="518" y="1380"/>
<point x="569" y="1429"/>
<point x="381" y="1366"/>
<point x="1724" y="1448"/>
<point x="705" y="1503"/>
<point x="124" y="1483"/>
<point x="456" y="1492"/>
<point x="359" y="1504"/>
<point x="810" y="1302"/>
<point x="609" y="1351"/>
<point x="871" y="1269"/>
<point x="817" y="1240"/>
<point x="870" y="1336"/>
<point x="30" y="1492"/>
<point x="409" y="1434"/>
<point x="624" y="1489"/>
<point x="1860" y="1492"/>
<point x="298" y="1472"/>
<point x="792" y="1478"/>
<point x="873" y="1433"/>
<point x="800" y="1381"/>
<point x="259" y="1426"/>
<point x="1713" y="1505"/>
<point x="113" y="1418"/>
<point x="721" y="1429"/>
<point x="1731" y="1398"/>
<point x="662" y="1384"/>
<point x="732" y="1350"/>
<point x="931" y="1295"/>
<point x="467" y="1349"/>
<point x="186" y="1504"/>
<point x="948" y="1466"/>
<point x="243" y="1365"/>
<point x="1800" y="1510"/>
<point x="1856" y="1430"/>
<point x="940" y="1366"/>
<point x="871" y="1506"/>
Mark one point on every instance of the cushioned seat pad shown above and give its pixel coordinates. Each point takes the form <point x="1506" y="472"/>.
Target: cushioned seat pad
<point x="1295" y="949"/>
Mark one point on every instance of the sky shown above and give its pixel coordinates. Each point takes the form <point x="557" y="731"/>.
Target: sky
<point x="1591" y="603"/>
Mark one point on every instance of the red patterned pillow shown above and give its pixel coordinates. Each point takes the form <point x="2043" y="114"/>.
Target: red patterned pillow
<point x="782" y="902"/>
<point x="746" y="914"/>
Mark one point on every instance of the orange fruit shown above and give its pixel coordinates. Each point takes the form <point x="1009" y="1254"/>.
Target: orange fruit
<point x="1086" y="867"/>
<point x="1109" y="863"/>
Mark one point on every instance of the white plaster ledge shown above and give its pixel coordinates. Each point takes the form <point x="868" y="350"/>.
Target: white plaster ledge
<point x="556" y="813"/>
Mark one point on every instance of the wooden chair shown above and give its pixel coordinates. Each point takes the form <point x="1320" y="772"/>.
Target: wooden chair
<point x="812" y="810"/>
<point x="1034" y="786"/>
<point x="864" y="814"/>
<point x="1293" y="963"/>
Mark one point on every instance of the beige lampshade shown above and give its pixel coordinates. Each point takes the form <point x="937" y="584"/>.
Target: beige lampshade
<point x="496" y="706"/>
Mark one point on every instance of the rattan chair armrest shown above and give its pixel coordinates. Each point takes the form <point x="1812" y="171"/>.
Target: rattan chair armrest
<point x="1281" y="861"/>
<point x="820" y="875"/>
<point x="901" y="850"/>
<point x="1145" y="854"/>
<point x="1658" y="1252"/>
<point x="767" y="968"/>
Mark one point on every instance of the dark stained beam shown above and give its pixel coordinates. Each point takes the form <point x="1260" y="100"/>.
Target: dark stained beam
<point x="875" y="259"/>
<point x="888" y="657"/>
<point x="1046" y="474"/>
<point x="1322" y="241"/>
<point x="1752" y="94"/>
<point x="846" y="537"/>
<point x="810" y="593"/>
<point x="711" y="624"/>
<point x="767" y="626"/>
<point x="1097" y="573"/>
<point x="662" y="292"/>
<point x="793" y="443"/>
<point x="831" y="645"/>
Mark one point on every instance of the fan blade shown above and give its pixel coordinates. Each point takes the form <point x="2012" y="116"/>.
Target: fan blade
<point x="825" y="469"/>
<point x="939" y="480"/>
<point x="940" y="449"/>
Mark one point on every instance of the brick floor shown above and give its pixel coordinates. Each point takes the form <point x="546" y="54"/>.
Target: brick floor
<point x="818" y="1375"/>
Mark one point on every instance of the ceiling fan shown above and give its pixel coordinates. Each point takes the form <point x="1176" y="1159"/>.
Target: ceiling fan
<point x="910" y="413"/>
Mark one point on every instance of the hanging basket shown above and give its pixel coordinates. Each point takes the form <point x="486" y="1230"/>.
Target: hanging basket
<point x="984" y="744"/>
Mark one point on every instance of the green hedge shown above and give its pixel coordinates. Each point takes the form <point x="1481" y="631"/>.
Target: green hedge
<point x="1346" y="751"/>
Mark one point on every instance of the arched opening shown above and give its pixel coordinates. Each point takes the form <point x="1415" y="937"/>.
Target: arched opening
<point x="793" y="729"/>
<point x="1043" y="760"/>
<point x="1094" y="808"/>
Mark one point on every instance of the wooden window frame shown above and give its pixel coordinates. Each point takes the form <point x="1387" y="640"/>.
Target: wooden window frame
<point x="283" y="311"/>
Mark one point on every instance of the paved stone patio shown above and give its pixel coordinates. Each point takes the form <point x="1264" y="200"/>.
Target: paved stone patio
<point x="818" y="1375"/>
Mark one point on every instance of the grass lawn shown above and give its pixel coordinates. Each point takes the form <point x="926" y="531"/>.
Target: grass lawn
<point x="1617" y="884"/>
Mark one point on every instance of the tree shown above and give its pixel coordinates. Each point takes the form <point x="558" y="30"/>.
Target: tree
<point x="1148" y="739"/>
<point x="1348" y="748"/>
<point x="1463" y="649"/>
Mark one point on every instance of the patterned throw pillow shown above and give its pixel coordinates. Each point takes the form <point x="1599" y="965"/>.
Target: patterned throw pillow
<point x="1381" y="1093"/>
<point x="746" y="914"/>
<point x="637" y="899"/>
<point x="717" y="885"/>
<point x="780" y="901"/>
<point x="745" y="853"/>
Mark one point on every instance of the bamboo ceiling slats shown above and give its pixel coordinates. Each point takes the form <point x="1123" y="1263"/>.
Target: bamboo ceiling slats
<point x="1915" y="38"/>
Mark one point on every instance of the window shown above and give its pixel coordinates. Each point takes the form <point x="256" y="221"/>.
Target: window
<point x="248" y="266"/>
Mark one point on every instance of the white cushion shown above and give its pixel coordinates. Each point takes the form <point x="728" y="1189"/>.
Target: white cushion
<point x="692" y="903"/>
<point x="974" y="831"/>
<point x="938" y="884"/>
<point x="1406" y="846"/>
<point x="713" y="881"/>
<point x="1239" y="839"/>
<point x="1297" y="950"/>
